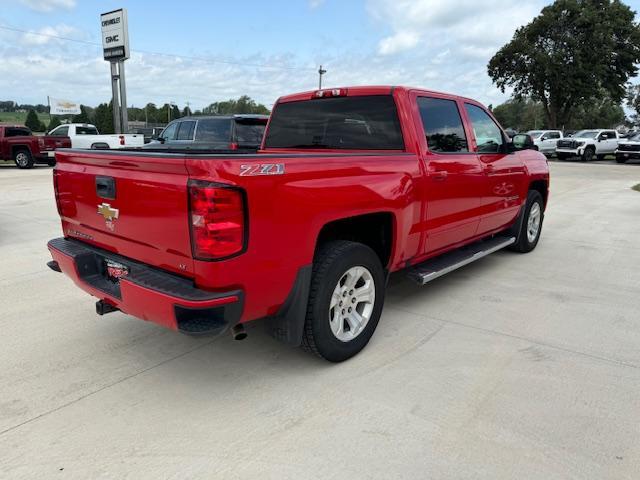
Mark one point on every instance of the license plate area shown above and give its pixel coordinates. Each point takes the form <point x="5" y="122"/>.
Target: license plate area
<point x="114" y="271"/>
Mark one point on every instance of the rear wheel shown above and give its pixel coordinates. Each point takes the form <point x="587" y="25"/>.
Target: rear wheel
<point x="561" y="156"/>
<point x="345" y="300"/>
<point x="621" y="159"/>
<point x="600" y="157"/>
<point x="531" y="225"/>
<point x="23" y="158"/>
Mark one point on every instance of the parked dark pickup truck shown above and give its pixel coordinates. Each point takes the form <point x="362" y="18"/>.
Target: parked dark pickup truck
<point x="350" y="184"/>
<point x="26" y="149"/>
<point x="237" y="133"/>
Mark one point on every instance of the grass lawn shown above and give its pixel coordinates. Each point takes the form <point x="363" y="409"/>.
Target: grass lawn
<point x="19" y="118"/>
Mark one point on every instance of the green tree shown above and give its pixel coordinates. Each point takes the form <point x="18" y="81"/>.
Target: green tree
<point x="568" y="54"/>
<point x="244" y="104"/>
<point x="186" y="112"/>
<point x="82" y="117"/>
<point x="53" y="123"/>
<point x="33" y="122"/>
<point x="104" y="118"/>
<point x="521" y="114"/>
<point x="633" y="101"/>
<point x="598" y="113"/>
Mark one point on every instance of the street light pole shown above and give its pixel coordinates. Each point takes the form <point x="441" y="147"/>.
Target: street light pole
<point x="321" y="72"/>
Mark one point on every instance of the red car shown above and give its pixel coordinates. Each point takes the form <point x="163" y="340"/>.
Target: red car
<point x="19" y="143"/>
<point x="350" y="185"/>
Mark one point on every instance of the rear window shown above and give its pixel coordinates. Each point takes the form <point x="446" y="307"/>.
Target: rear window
<point x="214" y="130"/>
<point x="358" y="123"/>
<point x="86" y="131"/>
<point x="17" y="132"/>
<point x="250" y="132"/>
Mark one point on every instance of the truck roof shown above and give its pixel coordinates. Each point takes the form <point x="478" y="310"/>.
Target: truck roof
<point x="368" y="90"/>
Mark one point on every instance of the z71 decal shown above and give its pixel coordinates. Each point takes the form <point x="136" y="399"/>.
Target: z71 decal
<point x="262" y="169"/>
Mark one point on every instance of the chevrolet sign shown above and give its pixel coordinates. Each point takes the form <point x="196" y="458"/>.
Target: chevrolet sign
<point x="115" y="35"/>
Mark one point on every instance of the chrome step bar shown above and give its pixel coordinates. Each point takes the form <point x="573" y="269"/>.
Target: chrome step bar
<point x="448" y="262"/>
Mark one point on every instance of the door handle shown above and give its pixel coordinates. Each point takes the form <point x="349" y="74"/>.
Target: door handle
<point x="439" y="175"/>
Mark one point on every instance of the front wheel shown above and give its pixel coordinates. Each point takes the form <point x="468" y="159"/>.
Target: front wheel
<point x="23" y="159"/>
<point x="620" y="159"/>
<point x="531" y="225"/>
<point x="345" y="300"/>
<point x="588" y="155"/>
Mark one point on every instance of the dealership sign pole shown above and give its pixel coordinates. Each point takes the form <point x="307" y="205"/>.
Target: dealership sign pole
<point x="115" y="45"/>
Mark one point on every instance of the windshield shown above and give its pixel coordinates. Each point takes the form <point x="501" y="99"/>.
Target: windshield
<point x="535" y="133"/>
<point x="635" y="137"/>
<point x="357" y="123"/>
<point x="585" y="134"/>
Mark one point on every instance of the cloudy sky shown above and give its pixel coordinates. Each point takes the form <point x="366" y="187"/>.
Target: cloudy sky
<point x="204" y="51"/>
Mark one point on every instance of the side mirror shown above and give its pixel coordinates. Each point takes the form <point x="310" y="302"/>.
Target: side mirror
<point x="160" y="139"/>
<point x="522" y="141"/>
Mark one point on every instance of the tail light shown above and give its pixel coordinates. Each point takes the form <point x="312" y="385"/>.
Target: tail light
<point x="217" y="220"/>
<point x="121" y="139"/>
<point x="55" y="190"/>
<point x="333" y="92"/>
<point x="233" y="146"/>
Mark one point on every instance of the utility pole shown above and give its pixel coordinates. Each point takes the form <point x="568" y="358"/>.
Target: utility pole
<point x="320" y="73"/>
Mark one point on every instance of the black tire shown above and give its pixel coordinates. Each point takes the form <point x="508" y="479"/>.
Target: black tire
<point x="620" y="159"/>
<point x="23" y="158"/>
<point x="523" y="244"/>
<point x="561" y="156"/>
<point x="600" y="157"/>
<point x="332" y="262"/>
<point x="588" y="154"/>
<point x="51" y="162"/>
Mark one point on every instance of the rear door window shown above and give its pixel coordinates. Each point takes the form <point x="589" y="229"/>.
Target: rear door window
<point x="185" y="131"/>
<point x="17" y="132"/>
<point x="488" y="134"/>
<point x="442" y="125"/>
<point x="214" y="130"/>
<point x="357" y="123"/>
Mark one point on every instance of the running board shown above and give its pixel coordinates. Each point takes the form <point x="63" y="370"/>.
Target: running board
<point x="448" y="262"/>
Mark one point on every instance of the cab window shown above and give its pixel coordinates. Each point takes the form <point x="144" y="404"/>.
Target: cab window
<point x="169" y="133"/>
<point x="488" y="134"/>
<point x="62" y="131"/>
<point x="442" y="125"/>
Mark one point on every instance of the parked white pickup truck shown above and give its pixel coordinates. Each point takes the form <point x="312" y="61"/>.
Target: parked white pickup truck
<point x="588" y="144"/>
<point x="85" y="135"/>
<point x="546" y="140"/>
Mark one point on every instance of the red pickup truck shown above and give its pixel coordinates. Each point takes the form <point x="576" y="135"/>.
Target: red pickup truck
<point x="19" y="143"/>
<point x="350" y="185"/>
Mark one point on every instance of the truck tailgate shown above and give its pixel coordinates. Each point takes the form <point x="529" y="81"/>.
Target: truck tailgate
<point x="135" y="206"/>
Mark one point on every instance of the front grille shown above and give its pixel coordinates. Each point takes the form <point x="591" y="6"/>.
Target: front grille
<point x="628" y="147"/>
<point x="567" y="144"/>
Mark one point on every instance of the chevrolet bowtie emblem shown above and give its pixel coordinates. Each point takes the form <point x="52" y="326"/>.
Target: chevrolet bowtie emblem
<point x="107" y="212"/>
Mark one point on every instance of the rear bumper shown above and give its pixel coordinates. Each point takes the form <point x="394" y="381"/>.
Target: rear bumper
<point x="147" y="292"/>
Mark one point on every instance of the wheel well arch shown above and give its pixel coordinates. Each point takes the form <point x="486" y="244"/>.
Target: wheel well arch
<point x="16" y="148"/>
<point x="376" y="230"/>
<point x="100" y="146"/>
<point x="541" y="186"/>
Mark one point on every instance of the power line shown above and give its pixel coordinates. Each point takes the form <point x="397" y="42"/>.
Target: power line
<point x="148" y="52"/>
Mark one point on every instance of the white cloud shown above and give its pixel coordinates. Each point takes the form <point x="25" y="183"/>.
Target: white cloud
<point x="46" y="35"/>
<point x="398" y="42"/>
<point x="313" y="4"/>
<point x="49" y="5"/>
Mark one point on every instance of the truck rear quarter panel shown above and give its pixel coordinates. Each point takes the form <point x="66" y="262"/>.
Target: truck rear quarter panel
<point x="287" y="211"/>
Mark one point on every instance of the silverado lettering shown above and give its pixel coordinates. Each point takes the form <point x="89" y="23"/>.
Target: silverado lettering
<point x="379" y="180"/>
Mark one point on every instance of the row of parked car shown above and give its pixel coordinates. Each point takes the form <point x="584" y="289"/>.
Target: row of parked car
<point x="587" y="144"/>
<point x="242" y="133"/>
